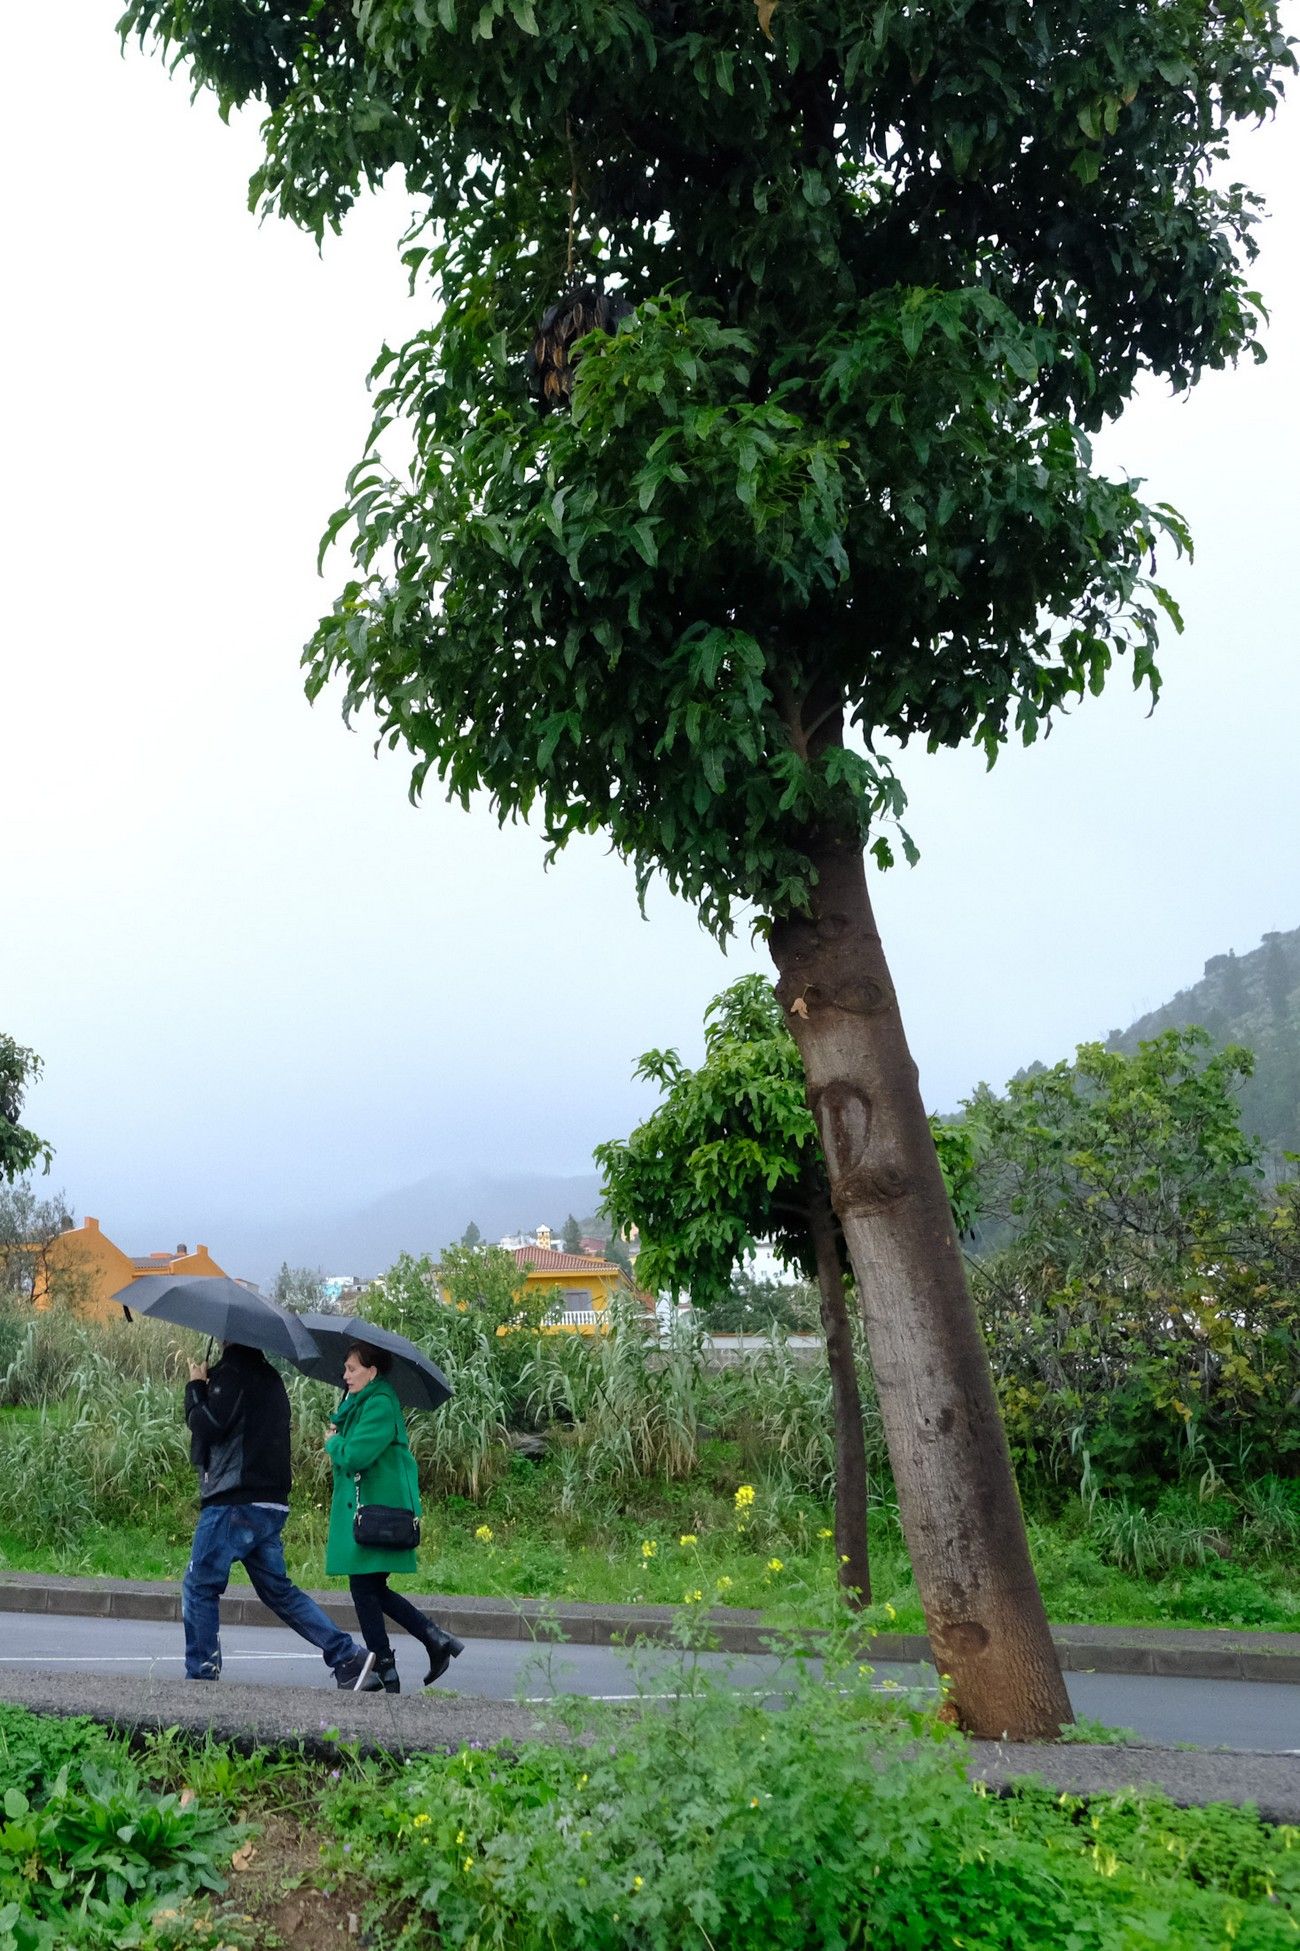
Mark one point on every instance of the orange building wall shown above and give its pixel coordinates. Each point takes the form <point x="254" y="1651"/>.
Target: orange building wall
<point x="83" y="1269"/>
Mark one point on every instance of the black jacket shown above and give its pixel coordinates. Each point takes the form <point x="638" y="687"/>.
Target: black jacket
<point x="239" y="1431"/>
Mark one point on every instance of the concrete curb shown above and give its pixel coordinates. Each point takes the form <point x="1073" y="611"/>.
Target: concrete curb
<point x="1188" y="1654"/>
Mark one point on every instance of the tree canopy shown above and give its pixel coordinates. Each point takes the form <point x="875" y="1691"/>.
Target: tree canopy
<point x="731" y="1156"/>
<point x="887" y="266"/>
<point x="717" y="1166"/>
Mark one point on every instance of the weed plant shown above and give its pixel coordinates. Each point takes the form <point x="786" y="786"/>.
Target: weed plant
<point x="93" y="1856"/>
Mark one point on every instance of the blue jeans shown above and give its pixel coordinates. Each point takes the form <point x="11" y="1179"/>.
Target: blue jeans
<point x="250" y="1535"/>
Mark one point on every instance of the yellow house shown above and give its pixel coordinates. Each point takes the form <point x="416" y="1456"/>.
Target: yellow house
<point x="578" y="1287"/>
<point x="83" y="1269"/>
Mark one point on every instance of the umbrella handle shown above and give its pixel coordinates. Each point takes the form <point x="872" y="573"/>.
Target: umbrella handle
<point x="207" y="1353"/>
<point x="126" y="1311"/>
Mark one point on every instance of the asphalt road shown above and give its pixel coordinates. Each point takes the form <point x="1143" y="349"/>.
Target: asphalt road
<point x="1253" y="1715"/>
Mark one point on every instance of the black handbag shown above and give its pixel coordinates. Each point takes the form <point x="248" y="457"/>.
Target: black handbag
<point x="384" y="1527"/>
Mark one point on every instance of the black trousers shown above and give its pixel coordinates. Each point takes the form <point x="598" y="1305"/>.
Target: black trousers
<point x="372" y="1599"/>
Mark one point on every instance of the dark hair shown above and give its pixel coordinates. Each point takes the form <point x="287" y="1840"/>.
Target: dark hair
<point x="377" y="1358"/>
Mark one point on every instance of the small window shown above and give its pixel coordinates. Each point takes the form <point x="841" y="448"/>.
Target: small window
<point x="577" y="1300"/>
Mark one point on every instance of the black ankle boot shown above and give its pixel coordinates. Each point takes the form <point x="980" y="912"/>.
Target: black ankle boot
<point x="443" y="1649"/>
<point x="387" y="1675"/>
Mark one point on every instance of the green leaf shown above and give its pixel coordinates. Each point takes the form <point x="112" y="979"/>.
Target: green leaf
<point x="643" y="540"/>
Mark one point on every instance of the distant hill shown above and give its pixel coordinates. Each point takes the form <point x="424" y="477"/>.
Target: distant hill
<point x="1252" y="999"/>
<point x="420" y="1218"/>
<point x="428" y="1215"/>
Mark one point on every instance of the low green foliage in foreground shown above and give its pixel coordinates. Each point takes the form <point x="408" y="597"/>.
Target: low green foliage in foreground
<point x="831" y="1823"/>
<point x="841" y="1820"/>
<point x="93" y="1855"/>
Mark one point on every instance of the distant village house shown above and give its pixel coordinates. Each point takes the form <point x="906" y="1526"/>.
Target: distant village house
<point x="82" y="1269"/>
<point x="577" y="1287"/>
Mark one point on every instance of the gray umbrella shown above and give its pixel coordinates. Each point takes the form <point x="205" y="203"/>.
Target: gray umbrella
<point x="219" y="1307"/>
<point x="419" y="1383"/>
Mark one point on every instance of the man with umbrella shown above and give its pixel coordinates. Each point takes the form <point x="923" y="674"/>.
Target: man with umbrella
<point x="238" y="1417"/>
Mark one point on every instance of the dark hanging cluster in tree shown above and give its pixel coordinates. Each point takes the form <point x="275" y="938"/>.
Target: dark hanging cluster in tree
<point x="552" y="358"/>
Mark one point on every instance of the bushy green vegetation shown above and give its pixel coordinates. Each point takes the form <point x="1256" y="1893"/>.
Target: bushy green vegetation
<point x="835" y="1822"/>
<point x="643" y="1448"/>
<point x="1138" y="1279"/>
<point x="846" y="1818"/>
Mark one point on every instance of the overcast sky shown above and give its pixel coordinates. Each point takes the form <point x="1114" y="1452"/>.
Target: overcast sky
<point x="261" y="981"/>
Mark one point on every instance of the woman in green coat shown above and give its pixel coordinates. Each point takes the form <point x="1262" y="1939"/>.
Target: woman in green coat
<point x="368" y="1448"/>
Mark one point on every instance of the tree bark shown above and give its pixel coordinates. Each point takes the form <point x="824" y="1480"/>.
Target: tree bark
<point x="956" y="1490"/>
<point x="851" y="1554"/>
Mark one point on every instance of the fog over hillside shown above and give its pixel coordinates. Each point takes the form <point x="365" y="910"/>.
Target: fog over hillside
<point x="418" y="1218"/>
<point x="1252" y="999"/>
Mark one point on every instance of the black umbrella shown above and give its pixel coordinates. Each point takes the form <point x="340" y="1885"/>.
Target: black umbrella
<point x="419" y="1383"/>
<point x="220" y="1308"/>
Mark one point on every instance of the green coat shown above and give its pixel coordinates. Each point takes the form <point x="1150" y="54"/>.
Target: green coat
<point x="371" y="1439"/>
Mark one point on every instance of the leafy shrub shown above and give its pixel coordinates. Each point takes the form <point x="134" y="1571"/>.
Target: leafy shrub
<point x="831" y="1824"/>
<point x="1138" y="1284"/>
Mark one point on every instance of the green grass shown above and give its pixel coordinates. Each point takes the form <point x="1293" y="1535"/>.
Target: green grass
<point x="596" y="1553"/>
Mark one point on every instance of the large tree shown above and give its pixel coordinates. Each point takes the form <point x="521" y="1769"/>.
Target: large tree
<point x="731" y="1157"/>
<point x="877" y="271"/>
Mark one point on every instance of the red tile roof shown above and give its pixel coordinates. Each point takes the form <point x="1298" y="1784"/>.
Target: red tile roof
<point x="545" y="1261"/>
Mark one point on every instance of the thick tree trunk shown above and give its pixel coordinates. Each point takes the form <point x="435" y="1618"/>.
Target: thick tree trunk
<point x="956" y="1490"/>
<point x="850" y="1444"/>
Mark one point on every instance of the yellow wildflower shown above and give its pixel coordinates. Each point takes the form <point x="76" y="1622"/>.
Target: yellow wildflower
<point x="468" y="1864"/>
<point x="825" y="1534"/>
<point x="460" y="1833"/>
<point x="420" y="1821"/>
<point x="484" y="1534"/>
<point x="693" y="1598"/>
<point x="775" y="1565"/>
<point x="753" y="1801"/>
<point x="648" y="1548"/>
<point x="637" y="1882"/>
<point x="724" y="1583"/>
<point x="889" y="1611"/>
<point x="744" y="1497"/>
<point x="688" y="1538"/>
